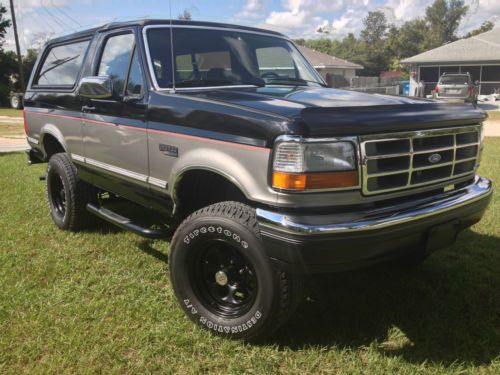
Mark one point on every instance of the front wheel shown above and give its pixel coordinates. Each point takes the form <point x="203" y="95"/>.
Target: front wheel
<point x="223" y="278"/>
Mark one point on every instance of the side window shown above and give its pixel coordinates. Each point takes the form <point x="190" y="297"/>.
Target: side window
<point x="115" y="60"/>
<point x="62" y="65"/>
<point x="135" y="82"/>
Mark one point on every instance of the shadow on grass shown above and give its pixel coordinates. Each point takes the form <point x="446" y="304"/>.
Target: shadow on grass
<point x="445" y="311"/>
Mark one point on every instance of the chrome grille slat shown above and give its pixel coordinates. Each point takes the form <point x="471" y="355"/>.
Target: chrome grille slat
<point x="444" y="142"/>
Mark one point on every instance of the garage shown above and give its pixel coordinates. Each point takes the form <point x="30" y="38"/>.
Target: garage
<point x="478" y="55"/>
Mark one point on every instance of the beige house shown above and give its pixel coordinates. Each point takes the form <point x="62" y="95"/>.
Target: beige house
<point x="478" y="55"/>
<point x="336" y="72"/>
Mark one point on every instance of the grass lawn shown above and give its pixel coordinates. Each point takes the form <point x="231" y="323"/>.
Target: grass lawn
<point x="11" y="112"/>
<point x="101" y="302"/>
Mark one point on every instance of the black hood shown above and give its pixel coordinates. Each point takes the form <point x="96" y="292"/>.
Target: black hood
<point x="328" y="112"/>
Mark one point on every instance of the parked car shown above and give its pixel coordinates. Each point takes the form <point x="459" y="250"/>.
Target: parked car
<point x="264" y="174"/>
<point x="456" y="86"/>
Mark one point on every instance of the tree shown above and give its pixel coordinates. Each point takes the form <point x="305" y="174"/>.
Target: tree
<point x="4" y="24"/>
<point x="373" y="38"/>
<point x="444" y="17"/>
<point x="486" y="26"/>
<point x="186" y="15"/>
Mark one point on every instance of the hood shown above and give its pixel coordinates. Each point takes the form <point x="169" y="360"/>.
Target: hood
<point x="328" y="112"/>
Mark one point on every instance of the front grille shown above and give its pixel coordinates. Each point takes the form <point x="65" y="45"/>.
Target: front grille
<point x="398" y="161"/>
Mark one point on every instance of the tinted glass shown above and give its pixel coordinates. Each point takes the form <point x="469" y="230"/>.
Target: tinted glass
<point x="115" y="60"/>
<point x="135" y="83"/>
<point x="62" y="65"/>
<point x="220" y="58"/>
<point x="455" y="80"/>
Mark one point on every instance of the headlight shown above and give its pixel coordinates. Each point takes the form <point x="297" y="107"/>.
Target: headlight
<point x="302" y="165"/>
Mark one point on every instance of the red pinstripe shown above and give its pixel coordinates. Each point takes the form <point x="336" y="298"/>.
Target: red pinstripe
<point x="178" y="135"/>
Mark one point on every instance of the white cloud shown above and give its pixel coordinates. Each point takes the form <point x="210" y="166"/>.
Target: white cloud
<point x="252" y="9"/>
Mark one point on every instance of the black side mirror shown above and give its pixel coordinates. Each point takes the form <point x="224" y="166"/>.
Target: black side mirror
<point x="97" y="87"/>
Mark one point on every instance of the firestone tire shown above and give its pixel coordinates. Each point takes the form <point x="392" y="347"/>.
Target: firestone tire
<point x="67" y="195"/>
<point x="223" y="278"/>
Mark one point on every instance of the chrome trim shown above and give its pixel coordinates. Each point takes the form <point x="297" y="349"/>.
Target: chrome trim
<point x="410" y="136"/>
<point x="480" y="189"/>
<point x="294" y="138"/>
<point x="121" y="171"/>
<point x="157" y="182"/>
<point x="32" y="140"/>
<point x="117" y="170"/>
<point x="78" y="158"/>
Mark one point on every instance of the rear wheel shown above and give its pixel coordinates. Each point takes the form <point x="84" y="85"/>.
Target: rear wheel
<point x="223" y="278"/>
<point x="67" y="195"/>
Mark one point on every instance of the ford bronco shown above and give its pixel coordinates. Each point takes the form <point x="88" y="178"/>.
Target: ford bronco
<point x="261" y="173"/>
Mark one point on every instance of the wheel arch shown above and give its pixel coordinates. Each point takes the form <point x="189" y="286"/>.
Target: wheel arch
<point x="51" y="140"/>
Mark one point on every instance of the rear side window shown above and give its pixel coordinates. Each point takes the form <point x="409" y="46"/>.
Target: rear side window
<point x="62" y="65"/>
<point x="115" y="60"/>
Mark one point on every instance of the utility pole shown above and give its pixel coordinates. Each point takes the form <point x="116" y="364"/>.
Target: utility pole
<point x="18" y="47"/>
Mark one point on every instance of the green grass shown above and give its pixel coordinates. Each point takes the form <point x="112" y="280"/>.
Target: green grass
<point x="101" y="302"/>
<point x="494" y="115"/>
<point x="11" y="112"/>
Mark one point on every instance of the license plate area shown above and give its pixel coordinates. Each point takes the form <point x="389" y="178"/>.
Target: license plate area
<point x="442" y="235"/>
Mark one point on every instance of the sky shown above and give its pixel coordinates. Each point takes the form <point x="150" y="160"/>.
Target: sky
<point x="40" y="19"/>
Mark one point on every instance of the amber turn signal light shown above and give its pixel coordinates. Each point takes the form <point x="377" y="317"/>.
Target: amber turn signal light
<point x="315" y="181"/>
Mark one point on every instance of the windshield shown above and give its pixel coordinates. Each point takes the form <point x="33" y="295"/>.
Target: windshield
<point x="206" y="58"/>
<point x="455" y="80"/>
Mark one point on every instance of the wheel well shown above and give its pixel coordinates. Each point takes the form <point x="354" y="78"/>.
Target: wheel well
<point x="51" y="146"/>
<point x="199" y="188"/>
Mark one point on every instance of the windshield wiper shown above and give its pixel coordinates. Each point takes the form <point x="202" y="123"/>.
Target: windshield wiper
<point x="58" y="63"/>
<point x="213" y="82"/>
<point x="295" y="81"/>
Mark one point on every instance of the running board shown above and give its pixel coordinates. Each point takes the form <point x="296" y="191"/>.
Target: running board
<point x="125" y="223"/>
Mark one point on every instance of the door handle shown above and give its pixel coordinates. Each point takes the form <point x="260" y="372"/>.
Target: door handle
<point x="86" y="108"/>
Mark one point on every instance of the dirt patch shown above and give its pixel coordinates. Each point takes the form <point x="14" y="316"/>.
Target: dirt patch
<point x="492" y="128"/>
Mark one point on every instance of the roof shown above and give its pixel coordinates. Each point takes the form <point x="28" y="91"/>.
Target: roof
<point x="145" y="22"/>
<point x="480" y="48"/>
<point x="322" y="60"/>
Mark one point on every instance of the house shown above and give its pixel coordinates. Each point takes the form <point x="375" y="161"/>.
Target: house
<point x="478" y="55"/>
<point x="336" y="72"/>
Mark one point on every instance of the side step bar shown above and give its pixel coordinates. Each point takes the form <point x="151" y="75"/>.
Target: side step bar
<point x="125" y="223"/>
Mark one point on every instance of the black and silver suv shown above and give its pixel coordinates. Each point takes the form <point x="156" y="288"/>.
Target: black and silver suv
<point x="262" y="173"/>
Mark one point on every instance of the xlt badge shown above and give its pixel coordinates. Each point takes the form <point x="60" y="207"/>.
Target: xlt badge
<point x="169" y="150"/>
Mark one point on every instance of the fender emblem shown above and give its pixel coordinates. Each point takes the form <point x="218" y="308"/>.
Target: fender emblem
<point x="434" y="158"/>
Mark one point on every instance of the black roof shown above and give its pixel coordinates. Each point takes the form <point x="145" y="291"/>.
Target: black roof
<point x="145" y="22"/>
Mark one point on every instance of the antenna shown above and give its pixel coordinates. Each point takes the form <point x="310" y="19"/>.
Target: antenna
<point x="172" y="46"/>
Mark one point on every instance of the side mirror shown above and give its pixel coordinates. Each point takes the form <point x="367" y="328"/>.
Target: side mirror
<point x="99" y="87"/>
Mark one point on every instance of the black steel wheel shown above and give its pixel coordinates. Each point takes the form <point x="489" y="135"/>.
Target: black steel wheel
<point x="67" y="195"/>
<point x="223" y="278"/>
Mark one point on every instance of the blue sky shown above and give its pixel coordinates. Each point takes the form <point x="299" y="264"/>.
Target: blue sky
<point x="40" y="19"/>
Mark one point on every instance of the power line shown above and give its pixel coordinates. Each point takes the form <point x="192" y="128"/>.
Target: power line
<point x="57" y="21"/>
<point x="64" y="13"/>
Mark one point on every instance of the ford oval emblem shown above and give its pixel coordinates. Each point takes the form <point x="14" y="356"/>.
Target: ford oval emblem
<point x="434" y="158"/>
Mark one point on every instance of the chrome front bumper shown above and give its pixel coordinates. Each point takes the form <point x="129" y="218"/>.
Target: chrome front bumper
<point x="372" y="220"/>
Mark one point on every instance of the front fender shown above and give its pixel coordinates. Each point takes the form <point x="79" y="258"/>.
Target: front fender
<point x="245" y="167"/>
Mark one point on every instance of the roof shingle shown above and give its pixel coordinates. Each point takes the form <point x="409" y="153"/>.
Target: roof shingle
<point x="322" y="60"/>
<point x="482" y="47"/>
